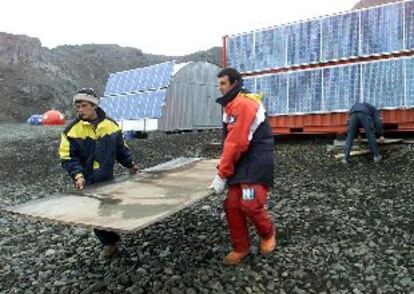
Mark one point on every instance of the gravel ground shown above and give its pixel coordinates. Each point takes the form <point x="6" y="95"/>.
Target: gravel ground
<point x="341" y="229"/>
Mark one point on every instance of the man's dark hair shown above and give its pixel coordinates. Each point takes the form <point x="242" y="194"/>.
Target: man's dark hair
<point x="233" y="74"/>
<point x="87" y="91"/>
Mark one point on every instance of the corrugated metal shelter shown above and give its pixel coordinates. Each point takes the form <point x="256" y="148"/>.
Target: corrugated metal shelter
<point x="166" y="97"/>
<point x="190" y="99"/>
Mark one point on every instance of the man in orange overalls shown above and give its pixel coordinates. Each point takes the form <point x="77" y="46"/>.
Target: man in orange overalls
<point x="246" y="166"/>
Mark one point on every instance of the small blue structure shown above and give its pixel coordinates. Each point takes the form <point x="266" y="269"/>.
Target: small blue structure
<point x="35" y="120"/>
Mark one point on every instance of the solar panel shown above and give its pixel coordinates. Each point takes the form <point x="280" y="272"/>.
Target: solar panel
<point x="340" y="36"/>
<point x="304" y="42"/>
<point x="409" y="24"/>
<point x="107" y="105"/>
<point x="382" y="29"/>
<point x="140" y="79"/>
<point x="270" y="48"/>
<point x="384" y="83"/>
<point x="275" y="91"/>
<point x="305" y="91"/>
<point x="135" y="106"/>
<point x="341" y="87"/>
<point x="409" y="68"/>
<point x="249" y="83"/>
<point x="240" y="52"/>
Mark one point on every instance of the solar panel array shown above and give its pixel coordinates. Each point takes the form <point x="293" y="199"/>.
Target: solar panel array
<point x="140" y="79"/>
<point x="378" y="30"/>
<point x="385" y="84"/>
<point x="137" y="94"/>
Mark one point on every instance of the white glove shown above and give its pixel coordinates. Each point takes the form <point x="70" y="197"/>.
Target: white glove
<point x="218" y="184"/>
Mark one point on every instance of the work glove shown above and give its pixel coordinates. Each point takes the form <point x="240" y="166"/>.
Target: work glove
<point x="133" y="169"/>
<point x="382" y="140"/>
<point x="218" y="184"/>
<point x="80" y="183"/>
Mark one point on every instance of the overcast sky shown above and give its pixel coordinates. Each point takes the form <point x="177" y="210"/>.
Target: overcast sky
<point x="174" y="27"/>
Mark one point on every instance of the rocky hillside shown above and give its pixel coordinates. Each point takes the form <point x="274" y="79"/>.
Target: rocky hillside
<point x="34" y="78"/>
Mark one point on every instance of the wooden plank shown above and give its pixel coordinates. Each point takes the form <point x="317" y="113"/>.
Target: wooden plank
<point x="389" y="147"/>
<point x="131" y="203"/>
<point x="353" y="153"/>
<point x="340" y="143"/>
<point x="387" y="141"/>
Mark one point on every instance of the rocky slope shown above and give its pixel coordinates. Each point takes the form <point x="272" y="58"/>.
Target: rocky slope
<point x="34" y="78"/>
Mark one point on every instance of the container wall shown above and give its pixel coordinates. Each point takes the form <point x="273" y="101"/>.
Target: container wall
<point x="395" y="120"/>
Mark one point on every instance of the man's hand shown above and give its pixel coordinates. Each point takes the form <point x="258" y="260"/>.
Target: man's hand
<point x="133" y="169"/>
<point x="218" y="184"/>
<point x="381" y="140"/>
<point x="80" y="183"/>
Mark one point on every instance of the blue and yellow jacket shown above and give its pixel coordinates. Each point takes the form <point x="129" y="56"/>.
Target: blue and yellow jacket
<point x="92" y="152"/>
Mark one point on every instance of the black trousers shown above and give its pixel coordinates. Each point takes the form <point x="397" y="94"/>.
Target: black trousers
<point x="356" y="121"/>
<point x="107" y="237"/>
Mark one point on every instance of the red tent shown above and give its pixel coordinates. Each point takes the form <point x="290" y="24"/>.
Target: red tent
<point x="53" y="117"/>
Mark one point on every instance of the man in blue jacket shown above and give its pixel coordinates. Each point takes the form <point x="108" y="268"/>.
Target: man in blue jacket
<point x="89" y="147"/>
<point x="364" y="115"/>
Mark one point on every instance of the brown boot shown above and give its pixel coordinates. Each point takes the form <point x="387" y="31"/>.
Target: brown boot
<point x="234" y="258"/>
<point x="268" y="245"/>
<point x="108" y="251"/>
